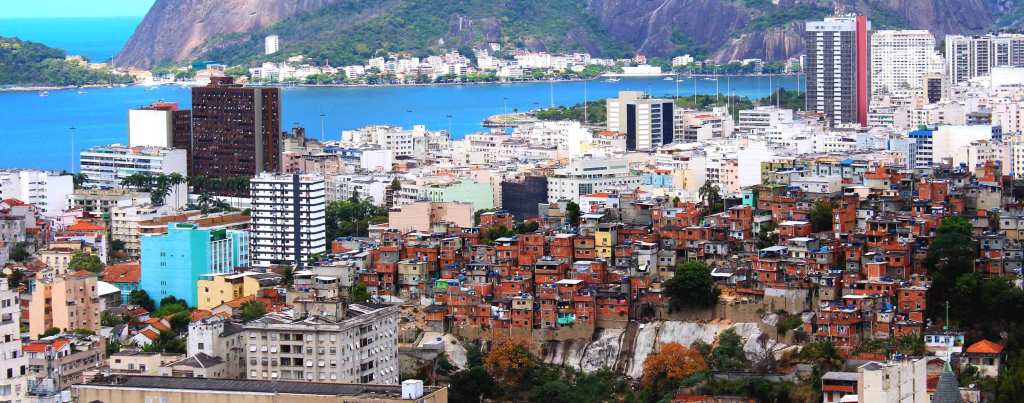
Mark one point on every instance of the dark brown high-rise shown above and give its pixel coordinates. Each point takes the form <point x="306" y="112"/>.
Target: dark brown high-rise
<point x="236" y="130"/>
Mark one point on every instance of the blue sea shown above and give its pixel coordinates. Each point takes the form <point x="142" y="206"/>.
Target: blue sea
<point x="98" y="39"/>
<point x="35" y="131"/>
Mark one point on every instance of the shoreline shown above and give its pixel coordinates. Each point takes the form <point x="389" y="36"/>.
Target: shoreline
<point x="42" y="88"/>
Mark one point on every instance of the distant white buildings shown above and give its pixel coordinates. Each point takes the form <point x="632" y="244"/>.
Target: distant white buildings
<point x="106" y="166"/>
<point x="900" y="59"/>
<point x="271" y="44"/>
<point x="585" y="176"/>
<point x="975" y="56"/>
<point x="48" y="191"/>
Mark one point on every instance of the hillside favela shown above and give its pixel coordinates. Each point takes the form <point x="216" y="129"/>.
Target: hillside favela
<point x="562" y="201"/>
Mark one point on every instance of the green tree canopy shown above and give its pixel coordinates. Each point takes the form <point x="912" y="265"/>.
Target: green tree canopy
<point x="141" y="298"/>
<point x="253" y="310"/>
<point x="691" y="287"/>
<point x="89" y="263"/>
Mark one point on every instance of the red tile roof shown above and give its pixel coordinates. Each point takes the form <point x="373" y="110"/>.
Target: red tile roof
<point x="150" y="334"/>
<point x="14" y="202"/>
<point x="157" y="324"/>
<point x="985" y="347"/>
<point x="129" y="272"/>
<point x="85" y="226"/>
<point x="200" y="314"/>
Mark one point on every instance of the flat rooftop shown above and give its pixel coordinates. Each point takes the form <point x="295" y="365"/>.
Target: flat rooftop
<point x="252" y="386"/>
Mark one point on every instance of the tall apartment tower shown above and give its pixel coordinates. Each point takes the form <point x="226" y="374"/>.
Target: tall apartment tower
<point x="15" y="363"/>
<point x="288" y="218"/>
<point x="236" y="130"/>
<point x="900" y="59"/>
<point x="975" y="56"/>
<point x="837" y="68"/>
<point x="646" y="122"/>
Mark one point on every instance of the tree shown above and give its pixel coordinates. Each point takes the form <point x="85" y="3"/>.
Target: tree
<point x="359" y="293"/>
<point x="691" y="286"/>
<point x="116" y="246"/>
<point x="471" y="385"/>
<point x="766" y="236"/>
<point x="90" y="263"/>
<point x="113" y="346"/>
<point x="478" y="213"/>
<point x="1010" y="386"/>
<point x="669" y="366"/>
<point x="253" y="310"/>
<point x="20" y="252"/>
<point x="572" y="213"/>
<point x="509" y="360"/>
<point x="821" y="216"/>
<point x="527" y="227"/>
<point x="950" y="255"/>
<point x="109" y="319"/>
<point x="710" y="197"/>
<point x="79" y="179"/>
<point x="141" y="298"/>
<point x="14" y="278"/>
<point x="50" y="332"/>
<point x="823" y="354"/>
<point x="728" y="355"/>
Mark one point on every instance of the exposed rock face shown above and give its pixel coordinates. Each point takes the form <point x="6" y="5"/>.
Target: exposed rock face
<point x="180" y="30"/>
<point x="173" y="29"/>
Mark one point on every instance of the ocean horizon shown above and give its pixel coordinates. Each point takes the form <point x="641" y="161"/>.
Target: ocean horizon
<point x="95" y="38"/>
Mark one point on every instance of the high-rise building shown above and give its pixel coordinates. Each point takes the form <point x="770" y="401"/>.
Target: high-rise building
<point x="934" y="87"/>
<point x="646" y="122"/>
<point x="975" y="56"/>
<point x="288" y="221"/>
<point x="106" y="166"/>
<point x="900" y="59"/>
<point x="837" y="68"/>
<point x="48" y="191"/>
<point x="271" y="44"/>
<point x="14" y="365"/>
<point x="236" y="130"/>
<point x="160" y="124"/>
<point x="173" y="262"/>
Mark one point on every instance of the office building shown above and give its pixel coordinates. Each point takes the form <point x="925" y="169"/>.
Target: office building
<point x="106" y="166"/>
<point x="236" y="130"/>
<point x="271" y="44"/>
<point x="288" y="221"/>
<point x="593" y="175"/>
<point x="837" y="69"/>
<point x="124" y="388"/>
<point x="900" y="59"/>
<point x="975" y="56"/>
<point x="762" y="118"/>
<point x="65" y="302"/>
<point x="172" y="263"/>
<point x="361" y="348"/>
<point x="646" y="122"/>
<point x="160" y="124"/>
<point x="15" y="364"/>
<point x="934" y="87"/>
<point x="522" y="196"/>
<point x="47" y="191"/>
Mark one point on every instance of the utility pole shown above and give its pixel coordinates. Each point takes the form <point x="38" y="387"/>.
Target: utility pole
<point x="322" y="126"/>
<point x="551" y="88"/>
<point x="72" y="132"/>
<point x="945" y="326"/>
<point x="584" y="102"/>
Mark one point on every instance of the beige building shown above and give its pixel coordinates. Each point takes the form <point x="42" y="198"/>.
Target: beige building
<point x="895" y="381"/>
<point x="216" y="289"/>
<point x="63" y="359"/>
<point x="134" y="362"/>
<point x="422" y="216"/>
<point x="100" y="201"/>
<point x="181" y="390"/>
<point x="66" y="302"/>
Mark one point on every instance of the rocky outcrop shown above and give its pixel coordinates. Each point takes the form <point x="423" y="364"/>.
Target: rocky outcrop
<point x="173" y="29"/>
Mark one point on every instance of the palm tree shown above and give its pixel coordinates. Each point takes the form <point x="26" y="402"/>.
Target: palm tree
<point x="709" y="195"/>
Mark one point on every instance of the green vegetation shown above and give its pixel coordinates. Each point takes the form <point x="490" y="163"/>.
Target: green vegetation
<point x="787" y="323"/>
<point x="780" y="16"/>
<point x="351" y="31"/>
<point x="352" y="218"/>
<point x="31" y="63"/>
<point x="50" y="332"/>
<point x="109" y="319"/>
<point x="167" y="342"/>
<point x="595" y="113"/>
<point x="89" y="263"/>
<point x="360" y="294"/>
<point x="572" y="213"/>
<point x="141" y="298"/>
<point x="691" y="287"/>
<point x="821" y="216"/>
<point x="253" y="310"/>
<point x="20" y="252"/>
<point x="158" y="186"/>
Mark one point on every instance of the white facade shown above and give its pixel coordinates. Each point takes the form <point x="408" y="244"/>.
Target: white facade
<point x="585" y="176"/>
<point x="897" y="381"/>
<point x="376" y="160"/>
<point x="150" y="128"/>
<point x="48" y="191"/>
<point x="106" y="166"/>
<point x="651" y="119"/>
<point x="288" y="221"/>
<point x="900" y="59"/>
<point x="975" y="56"/>
<point x="271" y="44"/>
<point x="14" y="365"/>
<point x="951" y="142"/>
<point x="759" y="119"/>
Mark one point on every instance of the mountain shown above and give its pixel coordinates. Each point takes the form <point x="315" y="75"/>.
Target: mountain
<point x="347" y="31"/>
<point x="28" y="63"/>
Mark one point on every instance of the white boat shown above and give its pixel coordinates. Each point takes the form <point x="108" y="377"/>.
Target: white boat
<point x="611" y="80"/>
<point x="44" y="94"/>
<point x="710" y="79"/>
<point x="81" y="92"/>
<point x="667" y="79"/>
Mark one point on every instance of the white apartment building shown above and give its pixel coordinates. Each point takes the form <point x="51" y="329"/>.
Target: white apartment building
<point x="363" y="348"/>
<point x="106" y="166"/>
<point x="13" y="383"/>
<point x="48" y="191"/>
<point x="585" y="176"/>
<point x="418" y="143"/>
<point x="271" y="44"/>
<point x="894" y="381"/>
<point x="288" y="220"/>
<point x="900" y="59"/>
<point x="975" y="56"/>
<point x="759" y="119"/>
<point x="648" y="123"/>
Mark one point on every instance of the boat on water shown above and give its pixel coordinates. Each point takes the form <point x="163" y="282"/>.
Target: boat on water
<point x="667" y="79"/>
<point x="710" y="78"/>
<point x="44" y="94"/>
<point x="611" y="80"/>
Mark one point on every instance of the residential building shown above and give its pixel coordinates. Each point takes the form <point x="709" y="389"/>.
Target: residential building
<point x="592" y="175"/>
<point x="423" y="216"/>
<point x="893" y="381"/>
<point x="646" y="122"/>
<point x="934" y="87"/>
<point x="99" y="202"/>
<point x="172" y="263"/>
<point x="145" y="388"/>
<point x="124" y="276"/>
<point x="236" y="130"/>
<point x="271" y="44"/>
<point x="216" y="289"/>
<point x="129" y="223"/>
<point x="57" y="362"/>
<point x="47" y="191"/>
<point x="136" y="362"/>
<point x="360" y="348"/>
<point x="837" y="68"/>
<point x="160" y="125"/>
<point x="105" y="167"/>
<point x="975" y="56"/>
<point x="288" y="218"/>
<point x="66" y="302"/>
<point x="899" y="61"/>
<point x="13" y="367"/>
<point x="761" y="118"/>
<point x="217" y="336"/>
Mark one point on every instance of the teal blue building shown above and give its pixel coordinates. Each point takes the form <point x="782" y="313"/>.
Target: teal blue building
<point x="173" y="262"/>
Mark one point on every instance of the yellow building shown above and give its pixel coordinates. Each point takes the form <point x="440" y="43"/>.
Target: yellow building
<point x="65" y="302"/>
<point x="216" y="289"/>
<point x="604" y="240"/>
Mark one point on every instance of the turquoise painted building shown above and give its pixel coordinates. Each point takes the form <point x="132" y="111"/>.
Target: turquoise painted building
<point x="480" y="194"/>
<point x="173" y="262"/>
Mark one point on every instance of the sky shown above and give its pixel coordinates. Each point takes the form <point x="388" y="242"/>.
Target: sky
<point x="74" y="8"/>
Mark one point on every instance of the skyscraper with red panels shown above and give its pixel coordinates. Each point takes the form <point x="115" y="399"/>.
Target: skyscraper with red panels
<point x="236" y="130"/>
<point x="837" y="68"/>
